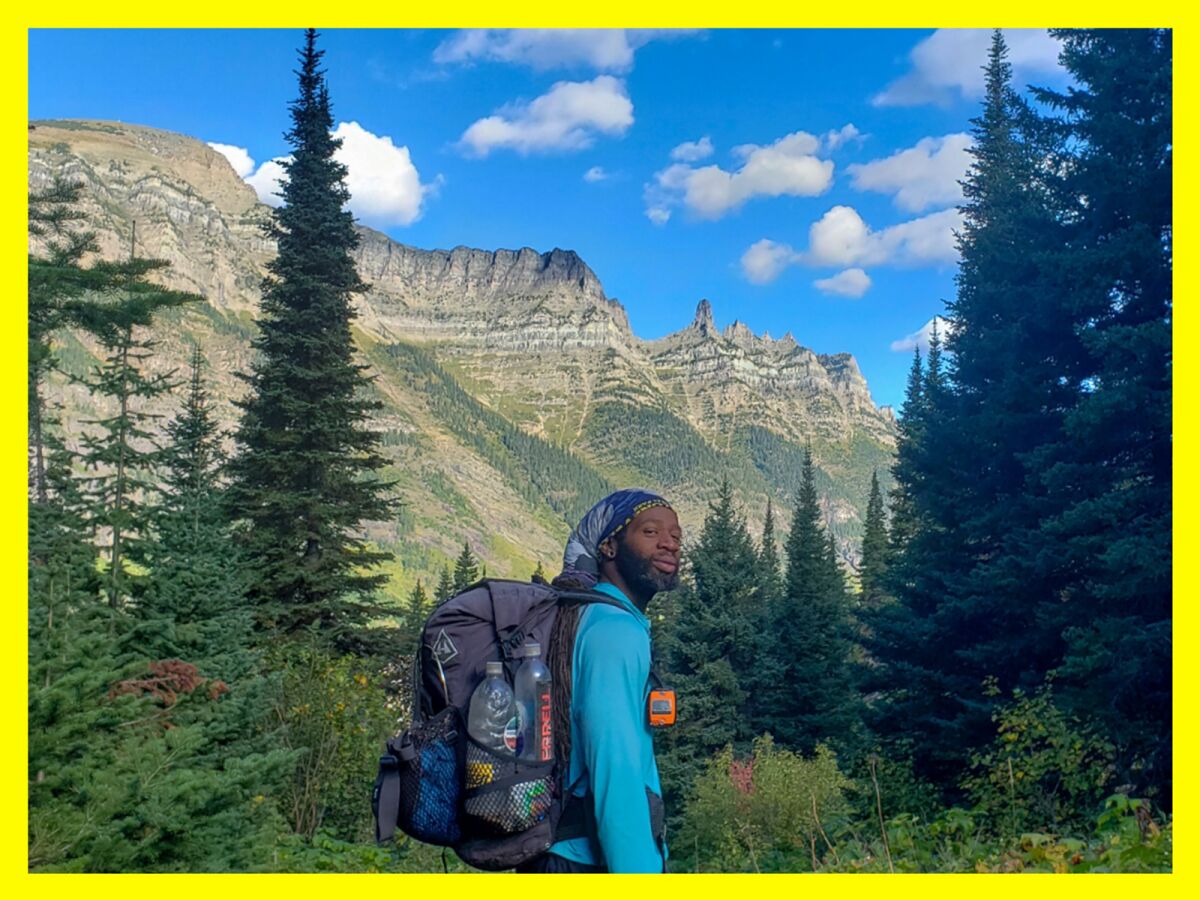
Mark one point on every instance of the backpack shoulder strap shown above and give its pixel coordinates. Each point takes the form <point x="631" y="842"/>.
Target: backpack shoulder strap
<point x="585" y="597"/>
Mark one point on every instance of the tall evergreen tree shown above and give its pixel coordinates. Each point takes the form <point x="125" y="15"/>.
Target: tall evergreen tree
<point x="1010" y="347"/>
<point x="711" y="645"/>
<point x="466" y="570"/>
<point x="873" y="568"/>
<point x="416" y="609"/>
<point x="135" y="765"/>
<point x="123" y="454"/>
<point x="909" y="445"/>
<point x="715" y="621"/>
<point x="810" y="698"/>
<point x="445" y="588"/>
<point x="57" y="284"/>
<point x="195" y="606"/>
<point x="770" y="571"/>
<point x="306" y="478"/>
<point x="1107" y="540"/>
<point x="968" y="589"/>
<point x="112" y="301"/>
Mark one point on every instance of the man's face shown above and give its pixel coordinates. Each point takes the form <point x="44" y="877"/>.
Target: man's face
<point x="648" y="551"/>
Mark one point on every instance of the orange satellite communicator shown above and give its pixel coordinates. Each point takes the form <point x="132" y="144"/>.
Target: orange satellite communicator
<point x="660" y="704"/>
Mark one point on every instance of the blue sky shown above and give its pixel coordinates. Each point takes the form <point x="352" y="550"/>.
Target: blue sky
<point x="802" y="181"/>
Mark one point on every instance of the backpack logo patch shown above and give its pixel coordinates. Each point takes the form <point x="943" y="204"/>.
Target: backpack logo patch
<point x="443" y="648"/>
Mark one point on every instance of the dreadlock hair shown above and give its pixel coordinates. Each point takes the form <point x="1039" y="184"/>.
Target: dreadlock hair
<point x="559" y="659"/>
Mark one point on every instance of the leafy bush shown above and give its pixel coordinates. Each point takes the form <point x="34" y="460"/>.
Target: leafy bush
<point x="1044" y="771"/>
<point x="335" y="711"/>
<point x="780" y="812"/>
<point x="773" y="811"/>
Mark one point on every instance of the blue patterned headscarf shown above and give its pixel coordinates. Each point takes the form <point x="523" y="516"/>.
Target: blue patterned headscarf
<point x="602" y="521"/>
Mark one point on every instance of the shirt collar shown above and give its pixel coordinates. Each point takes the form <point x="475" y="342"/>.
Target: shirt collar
<point x="606" y="587"/>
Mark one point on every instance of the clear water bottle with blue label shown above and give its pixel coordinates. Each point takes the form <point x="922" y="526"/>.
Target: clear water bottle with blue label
<point x="492" y="718"/>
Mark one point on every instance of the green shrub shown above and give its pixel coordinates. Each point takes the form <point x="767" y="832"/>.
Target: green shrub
<point x="1044" y="772"/>
<point x="336" y="712"/>
<point x="772" y="812"/>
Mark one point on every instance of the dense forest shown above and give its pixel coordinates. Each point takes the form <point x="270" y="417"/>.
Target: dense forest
<point x="213" y="665"/>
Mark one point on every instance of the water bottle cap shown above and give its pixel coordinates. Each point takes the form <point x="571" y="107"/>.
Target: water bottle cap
<point x="495" y="668"/>
<point x="533" y="648"/>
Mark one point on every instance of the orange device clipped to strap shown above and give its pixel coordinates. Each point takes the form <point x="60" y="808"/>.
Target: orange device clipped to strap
<point x="660" y="704"/>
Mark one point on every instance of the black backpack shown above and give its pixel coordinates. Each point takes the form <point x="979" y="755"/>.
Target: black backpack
<point x="438" y="785"/>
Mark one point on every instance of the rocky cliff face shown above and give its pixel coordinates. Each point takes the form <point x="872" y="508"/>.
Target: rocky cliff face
<point x="528" y="334"/>
<point x="166" y="196"/>
<point x="741" y="372"/>
<point x="515" y="300"/>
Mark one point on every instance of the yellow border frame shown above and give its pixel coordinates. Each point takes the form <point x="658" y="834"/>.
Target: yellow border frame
<point x="13" y="52"/>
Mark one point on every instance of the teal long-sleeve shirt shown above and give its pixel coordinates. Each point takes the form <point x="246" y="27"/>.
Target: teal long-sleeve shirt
<point x="612" y="754"/>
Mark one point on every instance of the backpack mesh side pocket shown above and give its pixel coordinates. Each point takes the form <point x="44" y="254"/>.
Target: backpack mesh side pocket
<point x="431" y="778"/>
<point x="504" y="795"/>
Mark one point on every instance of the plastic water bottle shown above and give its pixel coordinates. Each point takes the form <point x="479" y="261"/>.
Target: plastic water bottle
<point x="492" y="718"/>
<point x="534" y="700"/>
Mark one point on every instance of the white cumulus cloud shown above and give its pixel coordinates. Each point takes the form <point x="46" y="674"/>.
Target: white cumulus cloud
<point x="595" y="173"/>
<point x="385" y="186"/>
<point x="790" y="166"/>
<point x="845" y="135"/>
<point x="658" y="215"/>
<point x="268" y="180"/>
<point x="919" y="177"/>
<point x="765" y="260"/>
<point x="691" y="151"/>
<point x="568" y="117"/>
<point x="920" y="338"/>
<point x="239" y="157"/>
<point x="842" y="238"/>
<point x="603" y="49"/>
<point x="948" y="65"/>
<point x="847" y="283"/>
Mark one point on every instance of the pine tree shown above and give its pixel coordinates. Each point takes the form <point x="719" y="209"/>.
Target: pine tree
<point x="101" y="714"/>
<point x="873" y="568"/>
<point x="1010" y="347"/>
<point x="57" y="283"/>
<point x="770" y="571"/>
<point x="466" y="570"/>
<point x="195" y="606"/>
<point x="712" y="646"/>
<point x="306" y="478"/>
<point x="905" y="474"/>
<point x="107" y="299"/>
<point x="716" y="618"/>
<point x="124" y="453"/>
<point x="810" y="699"/>
<point x="1107" y="540"/>
<point x="445" y="588"/>
<point x="968" y="588"/>
<point x="416" y="610"/>
<point x="64" y="584"/>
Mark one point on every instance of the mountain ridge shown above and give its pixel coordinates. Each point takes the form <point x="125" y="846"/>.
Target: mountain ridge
<point x="529" y="334"/>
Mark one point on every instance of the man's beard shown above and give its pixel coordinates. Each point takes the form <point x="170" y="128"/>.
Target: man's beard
<point x="640" y="575"/>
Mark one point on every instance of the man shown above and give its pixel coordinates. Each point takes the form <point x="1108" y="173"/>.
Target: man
<point x="627" y="547"/>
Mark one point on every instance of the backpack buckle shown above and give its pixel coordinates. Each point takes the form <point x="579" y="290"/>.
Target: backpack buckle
<point x="387" y="762"/>
<point x="397" y="753"/>
<point x="512" y="642"/>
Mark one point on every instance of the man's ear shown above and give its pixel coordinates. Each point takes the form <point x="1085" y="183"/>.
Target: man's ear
<point x="608" y="548"/>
